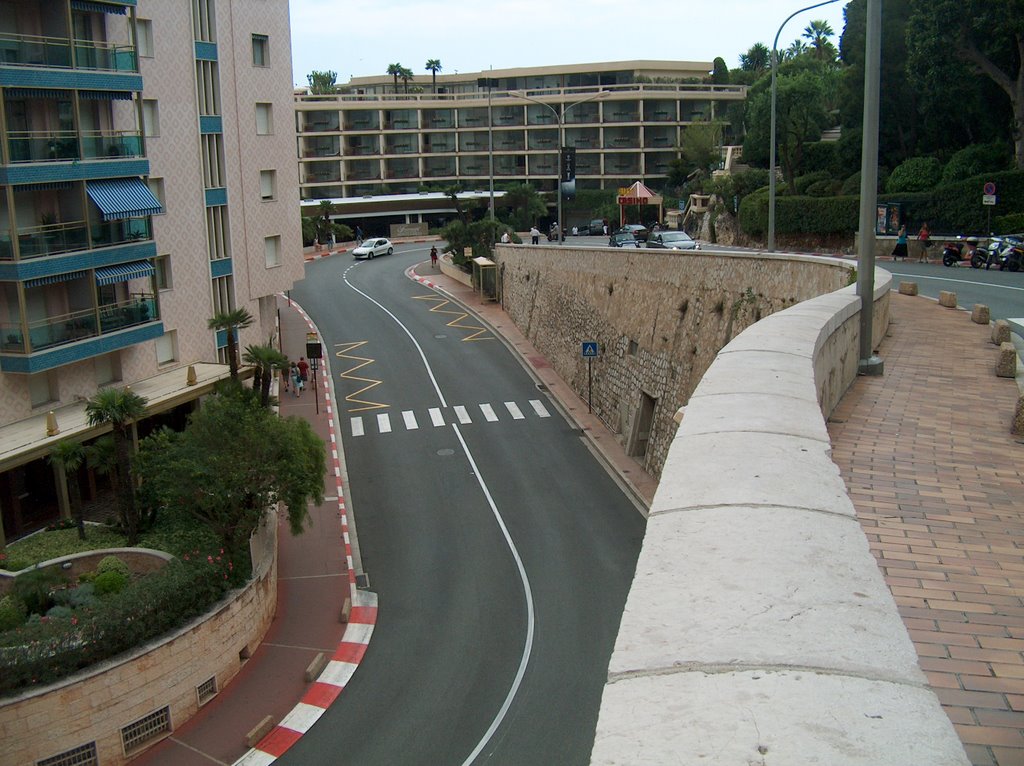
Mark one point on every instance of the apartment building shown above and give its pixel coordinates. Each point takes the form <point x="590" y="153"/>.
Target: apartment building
<point x="147" y="177"/>
<point x="624" y="119"/>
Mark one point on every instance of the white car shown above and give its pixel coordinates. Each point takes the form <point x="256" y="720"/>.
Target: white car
<point x="372" y="247"/>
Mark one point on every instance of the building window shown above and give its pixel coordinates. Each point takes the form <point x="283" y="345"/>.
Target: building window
<point x="264" y="119"/>
<point x="272" y="251"/>
<point x="217" y="243"/>
<point x="260" y="50"/>
<point x="107" y="369"/>
<point x="208" y="88"/>
<point x="167" y="347"/>
<point x="223" y="295"/>
<point x="150" y="117"/>
<point x="83" y="755"/>
<point x="152" y="726"/>
<point x="204" y="20"/>
<point x="162" y="266"/>
<point x="213" y="160"/>
<point x="268" y="184"/>
<point x="156" y="185"/>
<point x="144" y="37"/>
<point x="41" y="389"/>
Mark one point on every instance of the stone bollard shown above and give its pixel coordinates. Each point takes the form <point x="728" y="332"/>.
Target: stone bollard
<point x="947" y="298"/>
<point x="980" y="314"/>
<point x="908" y="288"/>
<point x="1018" y="417"/>
<point x="1001" y="332"/>
<point x="1006" y="362"/>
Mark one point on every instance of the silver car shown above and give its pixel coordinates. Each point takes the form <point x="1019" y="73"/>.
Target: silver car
<point x="672" y="240"/>
<point x="372" y="247"/>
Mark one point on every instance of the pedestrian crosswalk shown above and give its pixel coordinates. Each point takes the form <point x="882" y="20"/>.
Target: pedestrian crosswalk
<point x="460" y="414"/>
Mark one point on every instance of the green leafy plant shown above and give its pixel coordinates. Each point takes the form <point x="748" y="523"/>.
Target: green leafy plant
<point x="33" y="588"/>
<point x="12" y="612"/>
<point x="113" y="564"/>
<point x="109" y="582"/>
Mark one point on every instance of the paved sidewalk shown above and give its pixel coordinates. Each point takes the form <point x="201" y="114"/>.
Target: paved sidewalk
<point x="938" y="483"/>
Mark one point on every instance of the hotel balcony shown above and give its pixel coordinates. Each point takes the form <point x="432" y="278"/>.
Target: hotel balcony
<point x="319" y="122"/>
<point x="362" y="120"/>
<point x="322" y="146"/>
<point x="65" y="53"/>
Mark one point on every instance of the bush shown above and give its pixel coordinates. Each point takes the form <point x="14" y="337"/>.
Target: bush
<point x="112" y="564"/>
<point x="12" y="612"/>
<point x="975" y="160"/>
<point x="33" y="588"/>
<point x="109" y="582"/>
<point x="800" y="215"/>
<point x="77" y="598"/>
<point x="803" y="182"/>
<point x="1008" y="224"/>
<point x="914" y="175"/>
<point x="823" y="188"/>
<point x="59" y="612"/>
<point x="823" y="156"/>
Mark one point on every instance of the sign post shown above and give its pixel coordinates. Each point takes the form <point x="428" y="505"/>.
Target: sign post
<point x="589" y="351"/>
<point x="314" y="353"/>
<point x="988" y="199"/>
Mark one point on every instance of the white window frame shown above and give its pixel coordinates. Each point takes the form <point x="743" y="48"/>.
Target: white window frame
<point x="260" y="44"/>
<point x="268" y="185"/>
<point x="272" y="251"/>
<point x="150" y="117"/>
<point x="144" y="37"/>
<point x="264" y="124"/>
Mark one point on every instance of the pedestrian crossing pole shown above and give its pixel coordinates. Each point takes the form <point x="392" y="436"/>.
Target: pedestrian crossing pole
<point x="314" y="353"/>
<point x="589" y="350"/>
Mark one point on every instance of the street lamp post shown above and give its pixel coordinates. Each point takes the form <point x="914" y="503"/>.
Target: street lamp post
<point x="771" y="150"/>
<point x="560" y="116"/>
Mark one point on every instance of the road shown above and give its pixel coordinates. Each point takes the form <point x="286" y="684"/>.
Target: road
<point x="501" y="551"/>
<point x="1001" y="291"/>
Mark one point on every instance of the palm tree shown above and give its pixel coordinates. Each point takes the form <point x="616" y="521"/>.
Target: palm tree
<point x="757" y="58"/>
<point x="433" y="66"/>
<point x="267" y="360"/>
<point x="228" y="321"/>
<point x="69" y="456"/>
<point x="395" y="70"/>
<point x="120" y="407"/>
<point x="819" y="32"/>
<point x="796" y="48"/>
<point x="405" y="75"/>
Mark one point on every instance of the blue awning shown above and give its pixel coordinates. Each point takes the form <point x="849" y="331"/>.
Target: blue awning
<point x="88" y="5"/>
<point x="17" y="94"/>
<point x="105" y="95"/>
<point x="122" y="272"/>
<point x="123" y="198"/>
<point x="53" y="279"/>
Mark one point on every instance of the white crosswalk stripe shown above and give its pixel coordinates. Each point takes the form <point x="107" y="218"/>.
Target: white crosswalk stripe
<point x="514" y="411"/>
<point x="384" y="423"/>
<point x="539" y="408"/>
<point x="436" y="417"/>
<point x="462" y="414"/>
<point x="410" y="420"/>
<point x="489" y="414"/>
<point x="357" y="427"/>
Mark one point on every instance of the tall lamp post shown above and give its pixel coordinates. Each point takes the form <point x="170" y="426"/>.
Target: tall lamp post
<point x="560" y="116"/>
<point x="771" y="150"/>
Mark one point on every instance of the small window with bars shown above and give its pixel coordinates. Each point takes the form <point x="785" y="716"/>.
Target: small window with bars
<point x="146" y="729"/>
<point x="207" y="690"/>
<point x="83" y="755"/>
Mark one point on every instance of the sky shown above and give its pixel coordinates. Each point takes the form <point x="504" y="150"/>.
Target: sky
<point x="356" y="38"/>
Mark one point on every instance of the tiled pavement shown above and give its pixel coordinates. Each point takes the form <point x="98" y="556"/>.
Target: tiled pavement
<point x="938" y="483"/>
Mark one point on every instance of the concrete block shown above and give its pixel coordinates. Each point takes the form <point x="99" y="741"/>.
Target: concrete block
<point x="316" y="667"/>
<point x="1001" y="332"/>
<point x="259" y="731"/>
<point x="947" y="298"/>
<point x="1006" y="362"/>
<point x="980" y="314"/>
<point x="346" y="610"/>
<point x="908" y="288"/>
<point x="1018" y="417"/>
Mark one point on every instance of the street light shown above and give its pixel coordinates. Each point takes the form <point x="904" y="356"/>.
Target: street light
<point x="771" y="151"/>
<point x="560" y="116"/>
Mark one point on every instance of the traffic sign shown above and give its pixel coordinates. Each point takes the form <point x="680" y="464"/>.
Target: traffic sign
<point x="990" y="189"/>
<point x="589" y="349"/>
<point x="988" y="199"/>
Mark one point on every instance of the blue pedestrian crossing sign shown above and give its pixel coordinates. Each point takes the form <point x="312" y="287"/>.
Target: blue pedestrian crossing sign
<point x="589" y="349"/>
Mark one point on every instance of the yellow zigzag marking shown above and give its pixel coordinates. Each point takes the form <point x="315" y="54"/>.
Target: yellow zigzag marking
<point x="343" y="353"/>
<point x="459" y="316"/>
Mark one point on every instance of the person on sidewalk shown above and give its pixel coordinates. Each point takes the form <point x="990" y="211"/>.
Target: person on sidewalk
<point x="900" y="251"/>
<point x="924" y="236"/>
<point x="433" y="257"/>
<point x="296" y="380"/>
<point x="286" y="377"/>
<point x="359" y="235"/>
<point x="535" y="235"/>
<point x="303" y="366"/>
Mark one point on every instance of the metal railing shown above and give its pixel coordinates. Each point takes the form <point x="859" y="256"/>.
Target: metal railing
<point x="138" y="309"/>
<point x="49" y="239"/>
<point x="63" y="52"/>
<point x="34" y="146"/>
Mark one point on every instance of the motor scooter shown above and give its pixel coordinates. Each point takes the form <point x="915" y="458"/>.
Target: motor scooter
<point x="954" y="253"/>
<point x="1012" y="255"/>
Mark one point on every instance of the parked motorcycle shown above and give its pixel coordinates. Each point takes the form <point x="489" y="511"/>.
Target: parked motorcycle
<point x="1005" y="252"/>
<point x="960" y="250"/>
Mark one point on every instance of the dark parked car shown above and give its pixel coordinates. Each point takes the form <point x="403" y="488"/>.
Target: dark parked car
<point x="672" y="240"/>
<point x="639" y="232"/>
<point x="623" y="239"/>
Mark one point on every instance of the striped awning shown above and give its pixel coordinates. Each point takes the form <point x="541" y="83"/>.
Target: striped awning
<point x="17" y="94"/>
<point x="123" y="198"/>
<point x="105" y="95"/>
<point x="54" y="278"/>
<point x="122" y="272"/>
<point x="42" y="186"/>
<point x="88" y="5"/>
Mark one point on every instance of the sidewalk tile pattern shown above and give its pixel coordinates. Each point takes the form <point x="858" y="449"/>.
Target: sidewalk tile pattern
<point x="937" y="480"/>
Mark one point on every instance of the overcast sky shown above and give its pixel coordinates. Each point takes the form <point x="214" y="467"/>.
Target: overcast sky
<point x="361" y="37"/>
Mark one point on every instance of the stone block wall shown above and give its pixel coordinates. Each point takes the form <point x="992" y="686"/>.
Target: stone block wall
<point x="660" y="319"/>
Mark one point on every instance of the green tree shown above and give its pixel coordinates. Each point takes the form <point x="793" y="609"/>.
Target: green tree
<point x="69" y="456"/>
<point x="405" y="74"/>
<point x="323" y="221"/>
<point x="819" y="33"/>
<point x="322" y="83"/>
<point x="525" y="205"/>
<point x="757" y="58"/>
<point x="395" y="70"/>
<point x="233" y="462"/>
<point x="719" y="72"/>
<point x="230" y="321"/>
<point x="119" y="408"/>
<point x="796" y="49"/>
<point x="267" y="360"/>
<point x="433" y="66"/>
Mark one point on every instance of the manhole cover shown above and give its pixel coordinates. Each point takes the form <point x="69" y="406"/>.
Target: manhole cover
<point x="445" y="452"/>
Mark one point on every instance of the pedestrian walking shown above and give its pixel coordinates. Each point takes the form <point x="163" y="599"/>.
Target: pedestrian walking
<point x="924" y="236"/>
<point x="296" y="380"/>
<point x="303" y="366"/>
<point x="359" y="234"/>
<point x="535" y="235"/>
<point x="900" y="251"/>
<point x="286" y="377"/>
<point x="433" y="257"/>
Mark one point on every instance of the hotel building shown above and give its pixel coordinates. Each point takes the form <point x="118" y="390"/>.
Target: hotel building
<point x="147" y="176"/>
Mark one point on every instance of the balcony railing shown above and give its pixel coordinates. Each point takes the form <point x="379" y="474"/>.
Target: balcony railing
<point x="32" y="50"/>
<point x="51" y="239"/>
<point x="78" y="325"/>
<point x="118" y="232"/>
<point x="28" y="146"/>
<point x="120" y="143"/>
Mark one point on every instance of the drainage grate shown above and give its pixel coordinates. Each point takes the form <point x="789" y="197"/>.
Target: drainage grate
<point x="83" y="755"/>
<point x="136" y="734"/>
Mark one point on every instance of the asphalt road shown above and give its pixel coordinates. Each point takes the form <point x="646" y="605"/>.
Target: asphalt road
<point x="501" y="551"/>
<point x="1001" y="291"/>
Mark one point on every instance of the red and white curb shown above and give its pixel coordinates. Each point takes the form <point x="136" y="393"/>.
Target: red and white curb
<point x="345" y="660"/>
<point x="315" y="256"/>
<point x="410" y="273"/>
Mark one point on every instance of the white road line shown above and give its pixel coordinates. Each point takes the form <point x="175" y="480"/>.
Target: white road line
<point x="514" y="410"/>
<point x="410" y="420"/>
<point x="462" y="414"/>
<point x="539" y="408"/>
<point x="488" y="412"/>
<point x="357" y="427"/>
<point x="384" y="423"/>
<point x="436" y="417"/>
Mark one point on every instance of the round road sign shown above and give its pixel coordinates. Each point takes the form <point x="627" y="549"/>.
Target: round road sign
<point x="990" y="188"/>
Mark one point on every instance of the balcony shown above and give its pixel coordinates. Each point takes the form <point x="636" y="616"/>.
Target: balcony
<point x="62" y="52"/>
<point x="52" y="239"/>
<point x="138" y="309"/>
<point x="25" y="146"/>
<point x="121" y="231"/>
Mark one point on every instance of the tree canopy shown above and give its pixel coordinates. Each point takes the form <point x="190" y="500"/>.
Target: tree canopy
<point x="322" y="83"/>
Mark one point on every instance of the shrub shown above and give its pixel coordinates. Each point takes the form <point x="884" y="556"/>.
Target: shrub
<point x="33" y="588"/>
<point x="112" y="564"/>
<point x="823" y="188"/>
<point x="913" y="175"/>
<point x="1008" y="224"/>
<point x="12" y="612"/>
<point x="803" y="182"/>
<point x="60" y="612"/>
<point x="109" y="582"/>
<point x="823" y="156"/>
<point x="975" y="160"/>
<point x="77" y="598"/>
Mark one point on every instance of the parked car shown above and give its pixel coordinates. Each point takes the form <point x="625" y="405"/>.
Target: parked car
<point x="638" y="231"/>
<point x="372" y="247"/>
<point x="672" y="240"/>
<point x="623" y="239"/>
